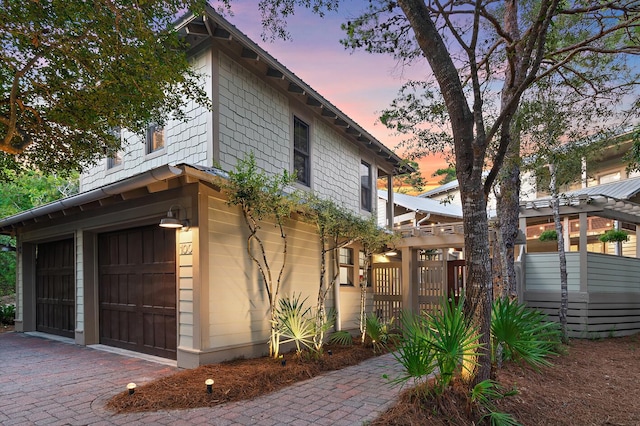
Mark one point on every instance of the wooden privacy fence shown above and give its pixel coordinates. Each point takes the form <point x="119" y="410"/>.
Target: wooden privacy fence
<point x="387" y="290"/>
<point x="429" y="281"/>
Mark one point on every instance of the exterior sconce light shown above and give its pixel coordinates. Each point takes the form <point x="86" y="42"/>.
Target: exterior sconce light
<point x="131" y="387"/>
<point x="209" y="383"/>
<point x="172" y="222"/>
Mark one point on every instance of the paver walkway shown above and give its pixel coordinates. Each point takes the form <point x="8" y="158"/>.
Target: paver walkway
<point x="54" y="383"/>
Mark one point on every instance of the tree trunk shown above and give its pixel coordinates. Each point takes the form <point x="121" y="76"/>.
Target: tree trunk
<point x="564" y="293"/>
<point x="507" y="209"/>
<point x="479" y="290"/>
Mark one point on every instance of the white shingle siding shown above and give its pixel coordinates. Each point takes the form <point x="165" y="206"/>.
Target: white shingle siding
<point x="185" y="142"/>
<point x="253" y="117"/>
<point x="335" y="167"/>
<point x="79" y="281"/>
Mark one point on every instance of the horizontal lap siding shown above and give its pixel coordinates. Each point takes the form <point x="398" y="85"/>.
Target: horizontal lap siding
<point x="543" y="272"/>
<point x="239" y="307"/>
<point x="610" y="307"/>
<point x="549" y="304"/>
<point x="614" y="274"/>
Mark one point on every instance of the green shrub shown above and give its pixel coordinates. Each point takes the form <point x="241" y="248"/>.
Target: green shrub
<point x="342" y="338"/>
<point x="524" y="334"/>
<point x="548" y="235"/>
<point x="453" y="340"/>
<point x="7" y="314"/>
<point x="379" y="332"/>
<point x="295" y="322"/>
<point x="614" y="236"/>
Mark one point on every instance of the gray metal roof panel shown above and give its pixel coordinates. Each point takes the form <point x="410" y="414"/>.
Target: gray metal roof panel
<point x="424" y="205"/>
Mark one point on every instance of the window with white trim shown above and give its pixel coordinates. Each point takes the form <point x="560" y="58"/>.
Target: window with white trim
<point x="346" y="266"/>
<point x="155" y="138"/>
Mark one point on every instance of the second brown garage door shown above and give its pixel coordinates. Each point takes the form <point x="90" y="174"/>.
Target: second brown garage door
<point x="137" y="281"/>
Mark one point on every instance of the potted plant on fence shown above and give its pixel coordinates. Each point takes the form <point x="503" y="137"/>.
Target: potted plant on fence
<point x="614" y="236"/>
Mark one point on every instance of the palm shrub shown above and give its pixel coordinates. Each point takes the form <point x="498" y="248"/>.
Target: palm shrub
<point x="443" y="343"/>
<point x="379" y="332"/>
<point x="414" y="351"/>
<point x="522" y="333"/>
<point x="483" y="394"/>
<point x="294" y="323"/>
<point x="454" y="340"/>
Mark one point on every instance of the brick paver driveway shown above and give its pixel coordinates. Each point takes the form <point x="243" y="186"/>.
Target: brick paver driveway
<point x="48" y="382"/>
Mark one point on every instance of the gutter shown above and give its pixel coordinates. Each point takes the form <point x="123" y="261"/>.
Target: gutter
<point x="158" y="174"/>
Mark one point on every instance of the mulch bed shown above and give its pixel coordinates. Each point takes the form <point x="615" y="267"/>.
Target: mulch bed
<point x="596" y="382"/>
<point x="235" y="380"/>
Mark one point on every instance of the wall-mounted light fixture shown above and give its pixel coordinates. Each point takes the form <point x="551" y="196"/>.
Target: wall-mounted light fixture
<point x="391" y="253"/>
<point x="172" y="221"/>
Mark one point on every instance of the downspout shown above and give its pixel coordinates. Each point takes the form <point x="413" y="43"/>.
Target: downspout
<point x="423" y="219"/>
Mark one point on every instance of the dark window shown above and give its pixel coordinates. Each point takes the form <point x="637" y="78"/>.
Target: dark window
<point x="346" y="266"/>
<point x="155" y="138"/>
<point x="365" y="186"/>
<point x="301" y="163"/>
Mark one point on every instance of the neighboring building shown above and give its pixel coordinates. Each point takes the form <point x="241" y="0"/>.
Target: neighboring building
<point x="97" y="268"/>
<point x="603" y="278"/>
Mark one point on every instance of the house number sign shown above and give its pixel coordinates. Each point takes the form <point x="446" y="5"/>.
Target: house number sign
<point x="186" y="248"/>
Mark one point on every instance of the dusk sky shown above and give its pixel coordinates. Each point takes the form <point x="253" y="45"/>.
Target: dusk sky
<point x="359" y="84"/>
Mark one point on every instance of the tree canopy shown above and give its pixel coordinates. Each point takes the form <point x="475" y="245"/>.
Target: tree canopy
<point x="72" y="71"/>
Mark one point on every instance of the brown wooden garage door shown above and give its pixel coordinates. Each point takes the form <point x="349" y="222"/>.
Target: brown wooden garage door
<point x="55" y="283"/>
<point x="137" y="280"/>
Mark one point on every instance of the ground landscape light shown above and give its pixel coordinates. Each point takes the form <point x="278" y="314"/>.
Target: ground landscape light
<point x="131" y="387"/>
<point x="209" y="383"/>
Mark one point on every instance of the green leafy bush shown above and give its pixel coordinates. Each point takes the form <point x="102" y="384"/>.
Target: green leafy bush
<point x="548" y="235"/>
<point x="7" y="314"/>
<point x="614" y="236"/>
<point x="524" y="334"/>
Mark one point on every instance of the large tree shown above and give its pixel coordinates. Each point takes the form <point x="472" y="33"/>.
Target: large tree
<point x="71" y="71"/>
<point x="483" y="56"/>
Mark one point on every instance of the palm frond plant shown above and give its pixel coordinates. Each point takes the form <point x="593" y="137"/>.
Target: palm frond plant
<point x="524" y="334"/>
<point x="454" y="340"/>
<point x="414" y="350"/>
<point x="379" y="332"/>
<point x="483" y="394"/>
<point x="342" y="338"/>
<point x="295" y="323"/>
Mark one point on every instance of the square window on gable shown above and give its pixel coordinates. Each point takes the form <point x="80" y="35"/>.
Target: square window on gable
<point x="155" y="138"/>
<point x="301" y="152"/>
<point x="365" y="187"/>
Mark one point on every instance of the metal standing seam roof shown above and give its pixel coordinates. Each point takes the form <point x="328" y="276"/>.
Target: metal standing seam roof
<point x="621" y="190"/>
<point x="424" y="205"/>
<point x="611" y="198"/>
